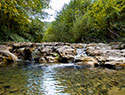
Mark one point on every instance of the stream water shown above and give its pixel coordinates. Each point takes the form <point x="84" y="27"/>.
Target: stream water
<point x="60" y="79"/>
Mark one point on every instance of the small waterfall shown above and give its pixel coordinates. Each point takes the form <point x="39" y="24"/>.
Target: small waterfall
<point x="80" y="52"/>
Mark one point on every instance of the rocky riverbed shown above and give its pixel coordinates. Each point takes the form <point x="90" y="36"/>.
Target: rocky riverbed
<point x="94" y="54"/>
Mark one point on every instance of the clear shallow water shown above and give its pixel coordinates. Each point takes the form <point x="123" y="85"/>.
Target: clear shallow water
<point x="60" y="79"/>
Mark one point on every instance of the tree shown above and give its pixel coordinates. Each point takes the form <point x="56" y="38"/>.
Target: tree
<point x="89" y="21"/>
<point x="65" y="19"/>
<point x="107" y="16"/>
<point x="17" y="15"/>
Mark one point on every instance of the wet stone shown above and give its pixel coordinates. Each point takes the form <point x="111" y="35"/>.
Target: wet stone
<point x="6" y="87"/>
<point x="14" y="90"/>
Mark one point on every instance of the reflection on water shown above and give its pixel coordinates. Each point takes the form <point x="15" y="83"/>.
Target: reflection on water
<point x="49" y="84"/>
<point x="60" y="79"/>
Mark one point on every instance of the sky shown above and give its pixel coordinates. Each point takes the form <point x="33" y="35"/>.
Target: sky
<point x="56" y="5"/>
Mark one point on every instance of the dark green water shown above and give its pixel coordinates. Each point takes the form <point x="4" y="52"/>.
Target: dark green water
<point x="60" y="79"/>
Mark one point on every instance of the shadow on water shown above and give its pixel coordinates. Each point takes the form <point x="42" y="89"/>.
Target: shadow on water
<point x="60" y="79"/>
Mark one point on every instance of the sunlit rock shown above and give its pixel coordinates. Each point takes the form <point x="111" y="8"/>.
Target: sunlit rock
<point x="52" y="59"/>
<point x="41" y="60"/>
<point x="66" y="54"/>
<point x="6" y="56"/>
<point x="79" y="45"/>
<point x="85" y="60"/>
<point x="111" y="56"/>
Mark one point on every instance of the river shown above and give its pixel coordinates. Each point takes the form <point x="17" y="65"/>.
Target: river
<point x="60" y="79"/>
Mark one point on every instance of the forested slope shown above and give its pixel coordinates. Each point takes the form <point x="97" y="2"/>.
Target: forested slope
<point x="89" y="21"/>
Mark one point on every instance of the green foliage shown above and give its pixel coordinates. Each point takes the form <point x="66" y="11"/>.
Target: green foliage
<point x="16" y="19"/>
<point x="54" y="35"/>
<point x="89" y="21"/>
<point x="60" y="30"/>
<point x="83" y="29"/>
<point x="36" y="30"/>
<point x="107" y="16"/>
<point x="79" y="21"/>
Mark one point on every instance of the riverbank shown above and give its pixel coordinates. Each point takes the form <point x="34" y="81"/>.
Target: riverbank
<point x="87" y="55"/>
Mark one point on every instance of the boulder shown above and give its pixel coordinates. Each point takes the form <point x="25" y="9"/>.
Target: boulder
<point x="9" y="55"/>
<point x="52" y="59"/>
<point x="45" y="54"/>
<point x="41" y="60"/>
<point x="66" y="53"/>
<point x="6" y="56"/>
<point x="111" y="56"/>
<point x="21" y="45"/>
<point x="94" y="52"/>
<point x="24" y="53"/>
<point x="117" y="45"/>
<point x="101" y="59"/>
<point x="114" y="65"/>
<point x="114" y="62"/>
<point x="79" y="45"/>
<point x="87" y="60"/>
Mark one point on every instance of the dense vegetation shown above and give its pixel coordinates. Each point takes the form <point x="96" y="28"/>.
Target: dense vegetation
<point x="79" y="21"/>
<point x="20" y="20"/>
<point x="89" y="21"/>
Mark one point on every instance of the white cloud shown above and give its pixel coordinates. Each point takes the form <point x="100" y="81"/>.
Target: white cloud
<point x="56" y="5"/>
